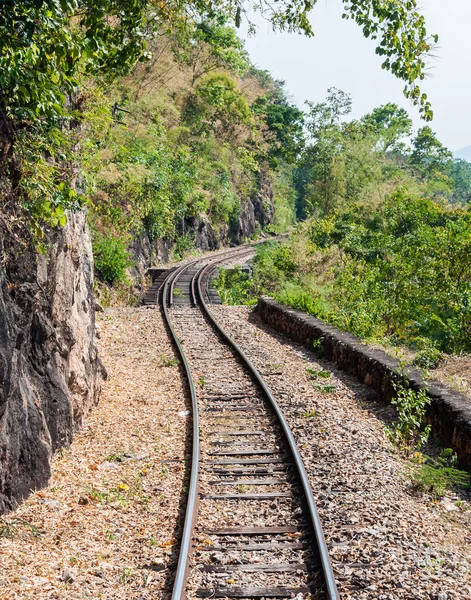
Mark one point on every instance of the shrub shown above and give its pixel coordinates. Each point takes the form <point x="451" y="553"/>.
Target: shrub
<point x="436" y="475"/>
<point x="402" y="272"/>
<point x="296" y="296"/>
<point x="216" y="99"/>
<point x="407" y="430"/>
<point x="111" y="258"/>
<point x="235" y="287"/>
<point x="183" y="244"/>
<point x="274" y="265"/>
<point x="428" y="358"/>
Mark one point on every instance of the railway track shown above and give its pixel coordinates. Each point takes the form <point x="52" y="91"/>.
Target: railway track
<point x="251" y="527"/>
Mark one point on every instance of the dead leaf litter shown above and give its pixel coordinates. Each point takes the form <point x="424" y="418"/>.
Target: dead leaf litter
<point x="107" y="525"/>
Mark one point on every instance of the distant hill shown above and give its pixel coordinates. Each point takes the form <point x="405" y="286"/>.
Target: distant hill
<point x="464" y="153"/>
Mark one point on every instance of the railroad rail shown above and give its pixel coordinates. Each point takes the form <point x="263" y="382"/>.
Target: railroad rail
<point x="251" y="526"/>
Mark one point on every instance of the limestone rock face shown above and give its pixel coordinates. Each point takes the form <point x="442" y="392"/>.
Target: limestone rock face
<point x="50" y="372"/>
<point x="257" y="211"/>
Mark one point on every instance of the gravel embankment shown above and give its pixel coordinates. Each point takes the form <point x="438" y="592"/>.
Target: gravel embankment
<point x="387" y="541"/>
<point x="105" y="526"/>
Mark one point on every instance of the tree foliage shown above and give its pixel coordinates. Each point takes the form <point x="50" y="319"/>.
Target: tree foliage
<point x="398" y="27"/>
<point x="181" y="156"/>
<point x="220" y="142"/>
<point x="217" y="102"/>
<point x="384" y="252"/>
<point x="403" y="41"/>
<point x="340" y="160"/>
<point x="390" y="124"/>
<point x="347" y="161"/>
<point x="210" y="46"/>
<point x="46" y="44"/>
<point x="283" y="123"/>
<point x="408" y="275"/>
<point x="429" y="156"/>
<point x="460" y="173"/>
<point x="398" y="272"/>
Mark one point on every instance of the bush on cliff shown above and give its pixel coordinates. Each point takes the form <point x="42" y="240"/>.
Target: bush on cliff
<point x="111" y="257"/>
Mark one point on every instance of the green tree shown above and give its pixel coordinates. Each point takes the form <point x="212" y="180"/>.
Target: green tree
<point x="49" y="49"/>
<point x="46" y="48"/>
<point x="390" y="123"/>
<point x="352" y="161"/>
<point x="460" y="173"/>
<point x="320" y="176"/>
<point x="46" y="44"/>
<point x="325" y="115"/>
<point x="282" y="124"/>
<point x="217" y="103"/>
<point x="214" y="46"/>
<point x="429" y="156"/>
<point x="432" y="162"/>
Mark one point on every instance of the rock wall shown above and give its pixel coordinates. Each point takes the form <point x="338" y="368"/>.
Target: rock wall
<point x="145" y="254"/>
<point x="256" y="212"/>
<point x="50" y="372"/>
<point x="449" y="412"/>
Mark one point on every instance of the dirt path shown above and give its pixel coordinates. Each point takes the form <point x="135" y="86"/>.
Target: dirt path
<point x="104" y="528"/>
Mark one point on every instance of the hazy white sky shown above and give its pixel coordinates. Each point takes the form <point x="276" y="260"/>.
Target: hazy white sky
<point x="339" y="56"/>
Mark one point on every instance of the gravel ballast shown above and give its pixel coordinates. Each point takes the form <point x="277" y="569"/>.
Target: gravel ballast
<point x="107" y="525"/>
<point x="386" y="540"/>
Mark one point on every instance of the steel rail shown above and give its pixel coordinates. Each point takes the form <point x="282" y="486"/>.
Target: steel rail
<point x="191" y="511"/>
<point x="239" y="254"/>
<point x="193" y="496"/>
<point x="173" y="277"/>
<point x="331" y="587"/>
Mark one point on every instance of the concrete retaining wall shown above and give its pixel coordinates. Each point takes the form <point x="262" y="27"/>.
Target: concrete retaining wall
<point x="449" y="412"/>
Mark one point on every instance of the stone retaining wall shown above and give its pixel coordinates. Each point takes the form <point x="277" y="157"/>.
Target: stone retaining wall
<point x="449" y="412"/>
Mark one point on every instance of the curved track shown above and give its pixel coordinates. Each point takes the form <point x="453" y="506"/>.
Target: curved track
<point x="251" y="528"/>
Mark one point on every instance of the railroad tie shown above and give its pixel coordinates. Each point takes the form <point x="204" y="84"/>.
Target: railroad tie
<point x="266" y="496"/>
<point x="248" y="482"/>
<point x="256" y="547"/>
<point x="251" y="592"/>
<point x="254" y="568"/>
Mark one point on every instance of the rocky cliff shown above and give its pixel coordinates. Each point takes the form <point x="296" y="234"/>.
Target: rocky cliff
<point x="256" y="212"/>
<point x="49" y="368"/>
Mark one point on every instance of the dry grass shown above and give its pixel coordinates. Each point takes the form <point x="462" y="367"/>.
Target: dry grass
<point x="165" y="83"/>
<point x="119" y="295"/>
<point x="455" y="372"/>
<point x="402" y="353"/>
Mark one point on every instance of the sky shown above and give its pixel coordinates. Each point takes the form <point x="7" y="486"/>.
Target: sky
<point x="339" y="56"/>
